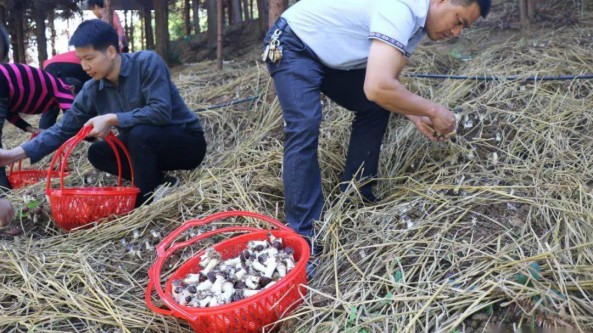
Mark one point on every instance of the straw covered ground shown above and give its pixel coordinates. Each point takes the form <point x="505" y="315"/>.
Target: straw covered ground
<point x="492" y="229"/>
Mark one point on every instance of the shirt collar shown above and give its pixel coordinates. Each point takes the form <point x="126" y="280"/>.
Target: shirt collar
<point x="124" y="71"/>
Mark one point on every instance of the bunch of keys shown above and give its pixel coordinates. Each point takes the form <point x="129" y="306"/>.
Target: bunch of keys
<point x="273" y="51"/>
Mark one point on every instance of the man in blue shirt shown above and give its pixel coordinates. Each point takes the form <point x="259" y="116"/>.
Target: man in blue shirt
<point x="353" y="51"/>
<point x="134" y="93"/>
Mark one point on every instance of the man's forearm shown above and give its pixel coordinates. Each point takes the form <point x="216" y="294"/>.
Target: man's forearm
<point x="15" y="154"/>
<point x="393" y="96"/>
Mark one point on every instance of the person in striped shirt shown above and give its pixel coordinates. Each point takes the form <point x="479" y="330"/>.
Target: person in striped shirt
<point x="6" y="209"/>
<point x="28" y="90"/>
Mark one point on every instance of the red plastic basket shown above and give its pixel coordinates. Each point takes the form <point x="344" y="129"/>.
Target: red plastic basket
<point x="78" y="206"/>
<point x="19" y="177"/>
<point x="252" y="314"/>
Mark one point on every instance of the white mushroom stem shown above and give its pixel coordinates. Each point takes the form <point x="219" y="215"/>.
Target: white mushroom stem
<point x="271" y="265"/>
<point x="227" y="291"/>
<point x="233" y="262"/>
<point x="213" y="302"/>
<point x="248" y="293"/>
<point x="240" y="274"/>
<point x="223" y="267"/>
<point x="204" y="302"/>
<point x="176" y="295"/>
<point x="183" y="296"/>
<point x="204" y="261"/>
<point x="217" y="287"/>
<point x="147" y="245"/>
<point x="206" y="285"/>
<point x="271" y="251"/>
<point x="281" y="268"/>
<point x="211" y="264"/>
<point x="272" y="237"/>
<point x="253" y="244"/>
<point x="252" y="282"/>
<point x="191" y="279"/>
<point x="289" y="264"/>
<point x="270" y="284"/>
<point x="258" y="267"/>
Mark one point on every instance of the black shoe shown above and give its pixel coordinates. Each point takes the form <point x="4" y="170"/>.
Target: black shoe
<point x="169" y="183"/>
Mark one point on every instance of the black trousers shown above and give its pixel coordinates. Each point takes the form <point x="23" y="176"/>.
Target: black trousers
<point x="154" y="150"/>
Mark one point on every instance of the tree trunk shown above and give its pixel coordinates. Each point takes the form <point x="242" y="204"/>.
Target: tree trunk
<point x="161" y="22"/>
<point x="17" y="32"/>
<point x="52" y="28"/>
<point x="226" y="8"/>
<point x="40" y="32"/>
<point x="127" y="24"/>
<point x="21" y="40"/>
<point x="131" y="38"/>
<point x="246" y="10"/>
<point x="3" y="12"/>
<point x="527" y="9"/>
<point x="277" y="7"/>
<point x="186" y="17"/>
<point x="235" y="11"/>
<point x="251" y="9"/>
<point x="109" y="12"/>
<point x="148" y="33"/>
<point x="196" y="17"/>
<point x="531" y="4"/>
<point x="219" y="34"/>
<point x="523" y="11"/>
<point x="262" y="8"/>
<point x="212" y="18"/>
<point x="142" y="39"/>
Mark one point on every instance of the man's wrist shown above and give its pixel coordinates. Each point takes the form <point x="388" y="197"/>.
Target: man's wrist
<point x="113" y="121"/>
<point x="432" y="111"/>
<point x="16" y="154"/>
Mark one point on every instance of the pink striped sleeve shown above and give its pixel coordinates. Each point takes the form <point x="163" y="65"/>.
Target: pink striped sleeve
<point x="19" y="80"/>
<point x="44" y="92"/>
<point x="66" y="97"/>
<point x="5" y="72"/>
<point x="32" y="88"/>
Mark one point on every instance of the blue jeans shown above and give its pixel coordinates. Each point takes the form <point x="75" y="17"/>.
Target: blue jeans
<point x="48" y="118"/>
<point x="299" y="79"/>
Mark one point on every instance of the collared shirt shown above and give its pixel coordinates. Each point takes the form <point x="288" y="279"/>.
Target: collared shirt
<point x="144" y="95"/>
<point x="30" y="90"/>
<point x="340" y="32"/>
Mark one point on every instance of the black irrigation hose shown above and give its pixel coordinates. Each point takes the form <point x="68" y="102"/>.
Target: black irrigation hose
<point x="501" y="78"/>
<point x="233" y="102"/>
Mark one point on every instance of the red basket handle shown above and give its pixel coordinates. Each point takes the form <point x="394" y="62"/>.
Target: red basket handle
<point x="67" y="148"/>
<point x="154" y="274"/>
<point x="20" y="163"/>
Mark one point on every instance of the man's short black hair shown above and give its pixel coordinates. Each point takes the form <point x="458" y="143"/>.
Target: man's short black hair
<point x="96" y="33"/>
<point x="99" y="3"/>
<point x="483" y="4"/>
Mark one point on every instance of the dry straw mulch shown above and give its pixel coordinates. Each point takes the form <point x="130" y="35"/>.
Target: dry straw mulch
<point x="441" y="252"/>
